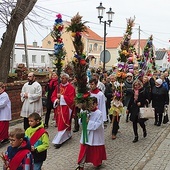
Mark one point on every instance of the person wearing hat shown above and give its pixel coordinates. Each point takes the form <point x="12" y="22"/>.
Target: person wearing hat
<point x="160" y="99"/>
<point x="128" y="92"/>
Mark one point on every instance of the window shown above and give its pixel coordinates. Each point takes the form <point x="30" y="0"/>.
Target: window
<point x="95" y="47"/>
<point x="95" y="61"/>
<point x="43" y="59"/>
<point x="23" y="58"/>
<point x="90" y="48"/>
<point x="100" y="48"/>
<point x="33" y="58"/>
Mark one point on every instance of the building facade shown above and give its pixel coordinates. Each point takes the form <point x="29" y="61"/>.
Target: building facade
<point x="38" y="57"/>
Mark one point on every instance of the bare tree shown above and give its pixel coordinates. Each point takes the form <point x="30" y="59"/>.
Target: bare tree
<point x="11" y="14"/>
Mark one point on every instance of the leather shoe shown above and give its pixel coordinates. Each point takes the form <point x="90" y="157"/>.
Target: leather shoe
<point x="75" y="130"/>
<point x="135" y="140"/>
<point x="158" y="124"/>
<point x="144" y="134"/>
<point x="57" y="146"/>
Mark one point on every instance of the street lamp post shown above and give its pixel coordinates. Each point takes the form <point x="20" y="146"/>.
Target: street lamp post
<point x="110" y="13"/>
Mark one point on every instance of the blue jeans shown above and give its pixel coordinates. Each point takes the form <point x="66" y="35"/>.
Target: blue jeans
<point x="37" y="166"/>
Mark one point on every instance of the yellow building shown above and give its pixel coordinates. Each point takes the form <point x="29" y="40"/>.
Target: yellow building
<point x="93" y="45"/>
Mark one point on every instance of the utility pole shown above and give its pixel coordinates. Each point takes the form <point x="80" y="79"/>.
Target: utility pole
<point x="139" y="42"/>
<point x="25" y="44"/>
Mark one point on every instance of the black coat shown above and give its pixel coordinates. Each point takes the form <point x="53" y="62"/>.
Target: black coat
<point x="109" y="94"/>
<point x="127" y="93"/>
<point x="49" y="91"/>
<point x="160" y="98"/>
<point x="134" y="108"/>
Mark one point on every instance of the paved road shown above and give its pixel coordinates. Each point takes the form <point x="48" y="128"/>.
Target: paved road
<point x="150" y="153"/>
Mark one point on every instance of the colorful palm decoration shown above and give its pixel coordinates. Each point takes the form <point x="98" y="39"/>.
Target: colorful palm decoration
<point x="127" y="57"/>
<point x="80" y="66"/>
<point x="149" y="53"/>
<point x="59" y="51"/>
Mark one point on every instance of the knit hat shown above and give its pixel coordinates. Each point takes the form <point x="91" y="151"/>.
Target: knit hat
<point x="159" y="81"/>
<point x="129" y="74"/>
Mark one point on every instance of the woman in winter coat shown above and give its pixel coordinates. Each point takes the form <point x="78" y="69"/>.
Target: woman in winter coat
<point x="51" y="85"/>
<point x="160" y="100"/>
<point x="138" y="99"/>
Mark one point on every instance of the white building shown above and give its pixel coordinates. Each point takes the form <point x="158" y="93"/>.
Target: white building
<point x="161" y="59"/>
<point x="38" y="57"/>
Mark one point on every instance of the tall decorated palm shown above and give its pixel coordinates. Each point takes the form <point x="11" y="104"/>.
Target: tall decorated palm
<point x="148" y="54"/>
<point x="127" y="57"/>
<point x="80" y="66"/>
<point x="59" y="51"/>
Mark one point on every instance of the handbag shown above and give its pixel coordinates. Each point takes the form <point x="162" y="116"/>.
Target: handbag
<point x="165" y="116"/>
<point x="147" y="112"/>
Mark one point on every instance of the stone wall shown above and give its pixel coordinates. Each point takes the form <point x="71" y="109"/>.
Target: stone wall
<point x="14" y="90"/>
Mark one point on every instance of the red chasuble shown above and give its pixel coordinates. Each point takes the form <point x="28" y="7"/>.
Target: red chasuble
<point x="64" y="118"/>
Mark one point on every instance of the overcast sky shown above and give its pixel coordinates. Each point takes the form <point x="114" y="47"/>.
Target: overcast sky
<point x="153" y="16"/>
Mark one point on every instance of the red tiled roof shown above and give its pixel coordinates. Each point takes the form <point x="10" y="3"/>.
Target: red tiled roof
<point x="113" y="42"/>
<point x="92" y="35"/>
<point x="89" y="34"/>
<point x="142" y="42"/>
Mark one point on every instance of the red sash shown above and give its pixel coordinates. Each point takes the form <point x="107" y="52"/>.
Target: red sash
<point x="17" y="159"/>
<point x="37" y="135"/>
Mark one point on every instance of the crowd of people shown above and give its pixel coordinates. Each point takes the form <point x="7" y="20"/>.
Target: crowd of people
<point x="31" y="143"/>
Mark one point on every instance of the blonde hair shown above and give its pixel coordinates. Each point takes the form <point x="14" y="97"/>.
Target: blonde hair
<point x="138" y="82"/>
<point x="18" y="133"/>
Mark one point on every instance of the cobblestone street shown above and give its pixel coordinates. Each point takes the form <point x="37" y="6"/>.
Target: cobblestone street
<point x="150" y="153"/>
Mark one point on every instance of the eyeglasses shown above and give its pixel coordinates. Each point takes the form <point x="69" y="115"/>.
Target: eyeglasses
<point x="12" y="140"/>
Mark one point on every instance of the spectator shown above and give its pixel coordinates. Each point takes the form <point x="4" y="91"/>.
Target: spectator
<point x="128" y="92"/>
<point x="160" y="99"/>
<point x="49" y="88"/>
<point x="137" y="100"/>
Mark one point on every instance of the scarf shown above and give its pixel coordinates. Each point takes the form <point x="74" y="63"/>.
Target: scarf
<point x="136" y="94"/>
<point x="53" y="82"/>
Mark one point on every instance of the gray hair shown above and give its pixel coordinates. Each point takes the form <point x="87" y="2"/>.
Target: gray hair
<point x="65" y="75"/>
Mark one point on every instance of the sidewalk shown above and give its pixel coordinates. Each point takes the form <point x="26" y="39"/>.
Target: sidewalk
<point x="150" y="153"/>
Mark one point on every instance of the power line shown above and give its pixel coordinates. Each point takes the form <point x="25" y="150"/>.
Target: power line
<point x="48" y="11"/>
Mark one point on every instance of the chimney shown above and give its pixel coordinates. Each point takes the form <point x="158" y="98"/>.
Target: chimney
<point x="34" y="44"/>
